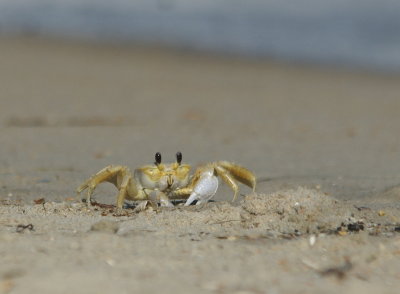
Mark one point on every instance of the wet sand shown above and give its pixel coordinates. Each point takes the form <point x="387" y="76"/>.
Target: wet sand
<point x="323" y="143"/>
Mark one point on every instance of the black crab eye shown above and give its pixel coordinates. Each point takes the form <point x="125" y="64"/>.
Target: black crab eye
<point x="158" y="158"/>
<point x="178" y="157"/>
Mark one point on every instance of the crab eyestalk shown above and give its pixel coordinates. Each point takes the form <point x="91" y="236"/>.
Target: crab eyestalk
<point x="158" y="158"/>
<point x="178" y="157"/>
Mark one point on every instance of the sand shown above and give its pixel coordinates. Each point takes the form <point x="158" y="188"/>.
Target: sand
<point x="323" y="143"/>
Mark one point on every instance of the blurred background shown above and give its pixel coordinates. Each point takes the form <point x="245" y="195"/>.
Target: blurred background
<point x="362" y="33"/>
<point x="302" y="92"/>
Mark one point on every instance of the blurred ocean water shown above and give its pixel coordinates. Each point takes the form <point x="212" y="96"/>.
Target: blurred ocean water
<point x="361" y="33"/>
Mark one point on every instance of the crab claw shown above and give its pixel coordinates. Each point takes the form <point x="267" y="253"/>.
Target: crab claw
<point x="204" y="189"/>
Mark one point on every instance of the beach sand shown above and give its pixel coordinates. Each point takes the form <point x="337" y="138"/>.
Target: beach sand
<point x="323" y="143"/>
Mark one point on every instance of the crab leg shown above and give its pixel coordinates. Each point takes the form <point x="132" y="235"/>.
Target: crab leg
<point x="118" y="175"/>
<point x="123" y="190"/>
<point x="239" y="173"/>
<point x="181" y="193"/>
<point x="229" y="180"/>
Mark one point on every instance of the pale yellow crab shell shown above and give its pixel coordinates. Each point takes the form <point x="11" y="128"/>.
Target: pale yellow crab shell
<point x="163" y="177"/>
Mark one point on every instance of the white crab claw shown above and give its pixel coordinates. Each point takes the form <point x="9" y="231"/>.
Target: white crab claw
<point x="205" y="188"/>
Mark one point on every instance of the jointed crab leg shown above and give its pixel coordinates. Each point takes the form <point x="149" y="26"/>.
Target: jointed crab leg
<point x="123" y="189"/>
<point x="239" y="173"/>
<point x="181" y="193"/>
<point x="118" y="175"/>
<point x="228" y="179"/>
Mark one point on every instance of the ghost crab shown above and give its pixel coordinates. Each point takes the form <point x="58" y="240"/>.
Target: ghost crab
<point x="158" y="183"/>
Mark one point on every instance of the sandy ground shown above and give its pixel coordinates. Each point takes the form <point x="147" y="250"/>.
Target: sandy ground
<point x="323" y="143"/>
